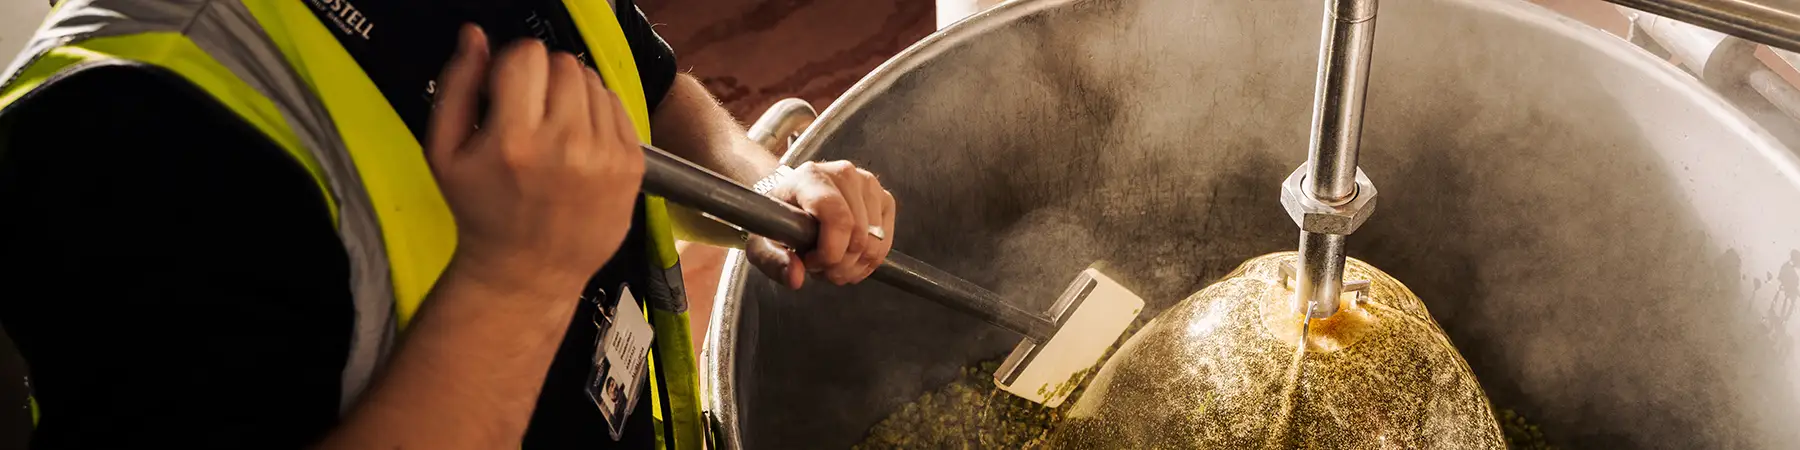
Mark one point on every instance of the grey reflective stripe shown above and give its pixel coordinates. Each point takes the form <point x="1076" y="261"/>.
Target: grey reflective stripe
<point x="227" y="31"/>
<point x="74" y="22"/>
<point x="666" y="291"/>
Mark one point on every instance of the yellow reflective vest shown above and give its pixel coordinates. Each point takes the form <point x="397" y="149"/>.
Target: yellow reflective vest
<point x="274" y="64"/>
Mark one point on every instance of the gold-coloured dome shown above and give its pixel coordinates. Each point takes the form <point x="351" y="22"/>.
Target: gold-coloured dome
<point x="1223" y="370"/>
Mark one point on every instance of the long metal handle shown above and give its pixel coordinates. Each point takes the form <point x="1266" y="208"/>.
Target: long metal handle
<point x="1758" y="21"/>
<point x="1342" y="83"/>
<point x="684" y="182"/>
<point x="1346" y="43"/>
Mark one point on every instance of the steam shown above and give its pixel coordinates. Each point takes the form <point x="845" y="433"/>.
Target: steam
<point x="1526" y="195"/>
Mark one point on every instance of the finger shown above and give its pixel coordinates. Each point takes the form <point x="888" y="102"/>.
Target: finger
<point x="850" y="183"/>
<point x="887" y="225"/>
<point x="824" y="201"/>
<point x="455" y="104"/>
<point x="877" y="200"/>
<point x="854" y="187"/>
<point x="600" y="108"/>
<point x="796" y="274"/>
<point x="518" y="87"/>
<point x="622" y="119"/>
<point x="879" y="249"/>
<point x="566" y="109"/>
<point x="633" y="156"/>
<point x="775" y="261"/>
<point x="874" y="200"/>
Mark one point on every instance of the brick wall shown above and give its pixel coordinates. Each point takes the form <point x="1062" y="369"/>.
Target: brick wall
<point x="751" y="53"/>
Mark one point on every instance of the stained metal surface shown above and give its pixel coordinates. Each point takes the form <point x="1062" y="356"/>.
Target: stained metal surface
<point x="1223" y="370"/>
<point x="1613" y="249"/>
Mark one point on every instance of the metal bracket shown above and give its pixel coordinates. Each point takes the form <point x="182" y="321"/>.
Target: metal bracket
<point x="1290" y="280"/>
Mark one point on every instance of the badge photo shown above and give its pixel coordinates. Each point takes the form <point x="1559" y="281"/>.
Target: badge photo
<point x="621" y="352"/>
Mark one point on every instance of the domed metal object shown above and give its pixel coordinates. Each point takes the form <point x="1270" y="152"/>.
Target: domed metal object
<point x="1224" y="369"/>
<point x="1610" y="246"/>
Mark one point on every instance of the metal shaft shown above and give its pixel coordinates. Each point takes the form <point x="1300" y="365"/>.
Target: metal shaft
<point x="1771" y="22"/>
<point x="1347" y="41"/>
<point x="1777" y="91"/>
<point x="1321" y="274"/>
<point x="688" y="184"/>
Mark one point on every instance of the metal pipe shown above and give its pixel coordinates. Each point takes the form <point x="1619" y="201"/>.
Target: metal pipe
<point x="782" y="122"/>
<point x="688" y="184"/>
<point x="916" y="277"/>
<point x="1321" y="274"/>
<point x="1694" y="46"/>
<point x="1777" y="91"/>
<point x="1345" y="47"/>
<point x="1757" y="21"/>
<point x="1347" y="42"/>
<point x="1726" y="63"/>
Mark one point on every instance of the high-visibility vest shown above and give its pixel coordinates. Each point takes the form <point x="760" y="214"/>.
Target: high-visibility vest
<point x="274" y="64"/>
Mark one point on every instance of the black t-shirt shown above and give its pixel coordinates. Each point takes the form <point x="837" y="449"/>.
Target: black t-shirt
<point x="173" y="279"/>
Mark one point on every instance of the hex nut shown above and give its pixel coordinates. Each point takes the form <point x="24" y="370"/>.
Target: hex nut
<point x="1316" y="216"/>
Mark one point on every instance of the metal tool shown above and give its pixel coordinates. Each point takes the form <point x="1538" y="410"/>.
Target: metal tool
<point x="1572" y="206"/>
<point x="1329" y="197"/>
<point x="1059" y="346"/>
<point x="1729" y="65"/>
<point x="1768" y="22"/>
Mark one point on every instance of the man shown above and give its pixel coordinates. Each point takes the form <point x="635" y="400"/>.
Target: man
<point x="356" y="224"/>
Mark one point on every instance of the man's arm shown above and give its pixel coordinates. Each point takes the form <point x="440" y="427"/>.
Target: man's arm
<point x="690" y="123"/>
<point x="848" y="201"/>
<point x="469" y="371"/>
<point x="543" y="192"/>
<point x="174" y="279"/>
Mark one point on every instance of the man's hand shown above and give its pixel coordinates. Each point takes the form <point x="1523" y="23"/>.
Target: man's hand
<point x="545" y="185"/>
<point x="542" y="191"/>
<point x="852" y="209"/>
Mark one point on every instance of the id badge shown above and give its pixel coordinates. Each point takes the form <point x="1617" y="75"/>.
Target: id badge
<point x="620" y="355"/>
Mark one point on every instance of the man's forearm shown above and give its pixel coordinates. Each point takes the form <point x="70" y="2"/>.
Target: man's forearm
<point x="690" y="123"/>
<point x="468" y="373"/>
